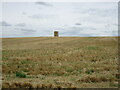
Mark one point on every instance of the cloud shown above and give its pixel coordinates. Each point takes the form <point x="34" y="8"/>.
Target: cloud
<point x="97" y="9"/>
<point x="4" y="23"/>
<point x="77" y="31"/>
<point x="27" y="31"/>
<point x="115" y="32"/>
<point x="43" y="3"/>
<point x="78" y="24"/>
<point x="117" y="24"/>
<point x="21" y="24"/>
<point x="66" y="17"/>
<point x="41" y="16"/>
<point x="84" y="28"/>
<point x="24" y="13"/>
<point x="34" y="16"/>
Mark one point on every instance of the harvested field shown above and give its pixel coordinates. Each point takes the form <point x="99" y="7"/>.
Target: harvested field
<point x="62" y="62"/>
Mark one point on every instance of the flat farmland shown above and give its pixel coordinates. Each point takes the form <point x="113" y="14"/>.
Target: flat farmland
<point x="60" y="62"/>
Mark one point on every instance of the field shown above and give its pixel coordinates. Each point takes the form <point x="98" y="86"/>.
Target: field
<point x="60" y="62"/>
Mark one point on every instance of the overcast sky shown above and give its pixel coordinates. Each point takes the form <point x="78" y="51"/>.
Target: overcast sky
<point x="33" y="19"/>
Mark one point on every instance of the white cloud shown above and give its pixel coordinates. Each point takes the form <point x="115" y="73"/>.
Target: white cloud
<point x="4" y="23"/>
<point x="59" y="0"/>
<point x="71" y="19"/>
<point x="21" y="24"/>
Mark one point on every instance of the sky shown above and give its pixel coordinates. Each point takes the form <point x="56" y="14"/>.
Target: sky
<point x="41" y="19"/>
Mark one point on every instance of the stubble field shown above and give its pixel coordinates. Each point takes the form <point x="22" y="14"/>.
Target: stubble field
<point x="60" y="62"/>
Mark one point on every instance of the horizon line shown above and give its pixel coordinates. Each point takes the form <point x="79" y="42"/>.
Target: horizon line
<point x="62" y="37"/>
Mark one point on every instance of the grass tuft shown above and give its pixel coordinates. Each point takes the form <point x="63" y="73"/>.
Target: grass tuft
<point x="21" y="74"/>
<point x="92" y="47"/>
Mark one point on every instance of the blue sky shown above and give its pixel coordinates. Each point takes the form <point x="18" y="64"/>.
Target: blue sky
<point x="33" y="19"/>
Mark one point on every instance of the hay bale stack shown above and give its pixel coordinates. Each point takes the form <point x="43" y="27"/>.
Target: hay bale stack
<point x="55" y="33"/>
